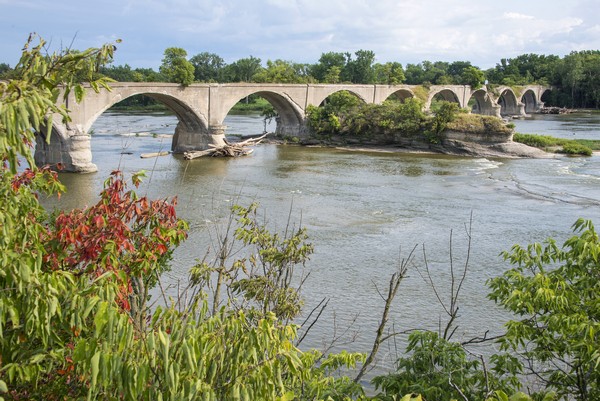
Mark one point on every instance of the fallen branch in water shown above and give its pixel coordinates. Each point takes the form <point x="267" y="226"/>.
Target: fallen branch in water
<point x="154" y="154"/>
<point x="228" y="150"/>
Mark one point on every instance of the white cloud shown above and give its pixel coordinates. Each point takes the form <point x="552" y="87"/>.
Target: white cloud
<point x="512" y="15"/>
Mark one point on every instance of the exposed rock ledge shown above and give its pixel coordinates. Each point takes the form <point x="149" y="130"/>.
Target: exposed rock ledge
<point x="505" y="149"/>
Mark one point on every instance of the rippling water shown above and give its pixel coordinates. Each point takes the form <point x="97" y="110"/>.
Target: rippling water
<point x="364" y="211"/>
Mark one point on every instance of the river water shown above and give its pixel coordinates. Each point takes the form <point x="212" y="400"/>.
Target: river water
<point x="364" y="211"/>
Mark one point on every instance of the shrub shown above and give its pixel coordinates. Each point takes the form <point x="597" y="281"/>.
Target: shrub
<point x="554" y="294"/>
<point x="549" y="143"/>
<point x="574" y="148"/>
<point x="478" y="124"/>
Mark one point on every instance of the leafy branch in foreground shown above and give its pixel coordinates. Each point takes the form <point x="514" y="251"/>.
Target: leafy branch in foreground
<point x="68" y="326"/>
<point x="554" y="293"/>
<point x="29" y="100"/>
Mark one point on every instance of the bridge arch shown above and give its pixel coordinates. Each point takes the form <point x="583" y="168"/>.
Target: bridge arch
<point x="189" y="122"/>
<point x="545" y="96"/>
<point x="401" y="95"/>
<point x="444" y="93"/>
<point x="481" y="103"/>
<point x="324" y="94"/>
<point x="290" y="118"/>
<point x="530" y="100"/>
<point x="507" y="100"/>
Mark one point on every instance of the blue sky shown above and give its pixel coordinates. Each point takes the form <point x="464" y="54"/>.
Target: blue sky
<point x="408" y="31"/>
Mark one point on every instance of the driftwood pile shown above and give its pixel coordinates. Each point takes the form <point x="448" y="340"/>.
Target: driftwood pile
<point x="230" y="149"/>
<point x="555" y="110"/>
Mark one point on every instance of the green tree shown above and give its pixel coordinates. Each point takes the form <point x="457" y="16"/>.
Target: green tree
<point x="445" y="114"/>
<point x="279" y="71"/>
<point x="120" y="73"/>
<point x="456" y="68"/>
<point x="414" y="74"/>
<point x="437" y="72"/>
<point x="390" y="73"/>
<point x="176" y="68"/>
<point x="443" y="370"/>
<point x="4" y="69"/>
<point x="208" y="67"/>
<point x="244" y="69"/>
<point x="554" y="293"/>
<point x="333" y="75"/>
<point x="147" y="75"/>
<point x="329" y="67"/>
<point x="360" y="70"/>
<point x="472" y="76"/>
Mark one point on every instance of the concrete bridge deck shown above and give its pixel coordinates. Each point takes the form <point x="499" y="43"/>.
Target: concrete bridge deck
<point x="202" y="108"/>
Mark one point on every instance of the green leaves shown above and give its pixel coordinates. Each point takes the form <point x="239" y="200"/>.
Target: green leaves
<point x="29" y="100"/>
<point x="176" y="67"/>
<point x="556" y="294"/>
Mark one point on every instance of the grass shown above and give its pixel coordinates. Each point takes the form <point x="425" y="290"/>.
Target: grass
<point x="590" y="143"/>
<point x="478" y="124"/>
<point x="559" y="145"/>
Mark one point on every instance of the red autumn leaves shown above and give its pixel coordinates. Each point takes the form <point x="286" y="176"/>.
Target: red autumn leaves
<point x="122" y="234"/>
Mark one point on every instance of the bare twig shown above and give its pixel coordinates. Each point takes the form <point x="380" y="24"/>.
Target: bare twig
<point x="394" y="284"/>
<point x="321" y="307"/>
<point x="455" y="387"/>
<point x="456" y="283"/>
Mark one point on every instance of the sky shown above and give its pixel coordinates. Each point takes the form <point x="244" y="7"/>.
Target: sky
<point x="407" y="31"/>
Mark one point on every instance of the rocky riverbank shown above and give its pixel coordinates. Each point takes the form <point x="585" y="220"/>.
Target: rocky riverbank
<point x="448" y="146"/>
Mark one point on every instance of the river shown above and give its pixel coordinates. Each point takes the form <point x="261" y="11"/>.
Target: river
<point x="364" y="211"/>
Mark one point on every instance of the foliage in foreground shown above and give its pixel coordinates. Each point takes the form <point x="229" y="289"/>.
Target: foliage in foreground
<point x="440" y="369"/>
<point x="74" y="318"/>
<point x="29" y="101"/>
<point x="554" y="293"/>
<point x="89" y="333"/>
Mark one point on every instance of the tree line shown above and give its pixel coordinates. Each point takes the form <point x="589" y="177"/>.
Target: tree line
<point x="576" y="76"/>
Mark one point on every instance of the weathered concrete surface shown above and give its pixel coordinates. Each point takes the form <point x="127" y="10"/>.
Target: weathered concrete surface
<point x="202" y="108"/>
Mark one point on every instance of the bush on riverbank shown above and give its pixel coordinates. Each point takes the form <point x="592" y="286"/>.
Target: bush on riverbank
<point x="552" y="144"/>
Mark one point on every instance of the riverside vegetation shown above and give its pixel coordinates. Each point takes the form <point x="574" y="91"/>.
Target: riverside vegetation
<point x="344" y="119"/>
<point x="77" y="321"/>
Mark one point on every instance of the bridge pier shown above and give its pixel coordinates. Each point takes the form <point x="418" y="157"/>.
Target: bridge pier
<point x="185" y="140"/>
<point x="291" y="130"/>
<point x="488" y="110"/>
<point x="74" y="153"/>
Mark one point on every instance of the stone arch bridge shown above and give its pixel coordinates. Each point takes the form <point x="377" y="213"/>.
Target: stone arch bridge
<point x="202" y="108"/>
